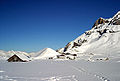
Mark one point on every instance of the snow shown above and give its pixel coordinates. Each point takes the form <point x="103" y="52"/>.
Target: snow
<point x="61" y="50"/>
<point x="108" y="45"/>
<point x="42" y="54"/>
<point x="23" y="57"/>
<point x="46" y="53"/>
<point x="117" y="14"/>
<point x="54" y="70"/>
<point x="5" y="55"/>
<point x="102" y="41"/>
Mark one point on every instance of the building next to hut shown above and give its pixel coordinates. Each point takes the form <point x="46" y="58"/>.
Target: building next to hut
<point x="67" y="56"/>
<point x="61" y="56"/>
<point x="18" y="58"/>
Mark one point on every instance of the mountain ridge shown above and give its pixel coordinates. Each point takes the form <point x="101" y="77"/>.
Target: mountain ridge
<point x="102" y="39"/>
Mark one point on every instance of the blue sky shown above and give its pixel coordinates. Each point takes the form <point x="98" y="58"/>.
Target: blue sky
<point x="31" y="25"/>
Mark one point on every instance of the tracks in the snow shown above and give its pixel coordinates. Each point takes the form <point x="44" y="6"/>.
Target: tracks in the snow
<point x="88" y="73"/>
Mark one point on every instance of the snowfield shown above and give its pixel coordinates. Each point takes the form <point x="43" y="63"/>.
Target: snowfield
<point x="60" y="70"/>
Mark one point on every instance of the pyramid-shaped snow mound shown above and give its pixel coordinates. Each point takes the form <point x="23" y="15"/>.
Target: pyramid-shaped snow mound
<point x="46" y="53"/>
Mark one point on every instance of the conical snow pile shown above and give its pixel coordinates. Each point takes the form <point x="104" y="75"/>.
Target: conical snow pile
<point x="46" y="54"/>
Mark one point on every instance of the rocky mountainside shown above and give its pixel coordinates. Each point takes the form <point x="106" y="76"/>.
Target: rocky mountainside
<point x="103" y="39"/>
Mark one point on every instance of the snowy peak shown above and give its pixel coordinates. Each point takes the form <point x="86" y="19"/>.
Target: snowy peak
<point x="115" y="20"/>
<point x="117" y="15"/>
<point x="100" y="21"/>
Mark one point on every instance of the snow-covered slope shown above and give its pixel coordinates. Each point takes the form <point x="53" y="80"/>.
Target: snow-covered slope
<point x="46" y="53"/>
<point x="103" y="39"/>
<point x="3" y="55"/>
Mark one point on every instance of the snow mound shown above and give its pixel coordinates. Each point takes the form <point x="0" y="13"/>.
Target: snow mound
<point x="46" y="53"/>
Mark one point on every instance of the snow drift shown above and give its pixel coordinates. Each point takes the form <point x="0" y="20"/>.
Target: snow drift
<point x="46" y="53"/>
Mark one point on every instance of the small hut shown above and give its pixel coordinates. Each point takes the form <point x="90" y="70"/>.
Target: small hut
<point x="18" y="58"/>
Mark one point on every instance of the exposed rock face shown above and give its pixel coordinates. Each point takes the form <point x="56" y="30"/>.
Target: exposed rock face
<point x="102" y="31"/>
<point x="66" y="47"/>
<point x="116" y="19"/>
<point x="113" y="21"/>
<point x="88" y="32"/>
<point x="99" y="21"/>
<point x="117" y="22"/>
<point x="71" y="45"/>
<point x="76" y="44"/>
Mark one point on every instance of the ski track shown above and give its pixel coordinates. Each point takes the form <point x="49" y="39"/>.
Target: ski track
<point x="95" y="75"/>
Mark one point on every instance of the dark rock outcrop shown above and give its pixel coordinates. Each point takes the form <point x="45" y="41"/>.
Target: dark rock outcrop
<point x="99" y="21"/>
<point x="76" y="44"/>
<point x="88" y="32"/>
<point x="66" y="47"/>
<point x="117" y="22"/>
<point x="102" y="31"/>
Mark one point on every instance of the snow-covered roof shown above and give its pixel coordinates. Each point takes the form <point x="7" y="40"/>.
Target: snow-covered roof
<point x="23" y="57"/>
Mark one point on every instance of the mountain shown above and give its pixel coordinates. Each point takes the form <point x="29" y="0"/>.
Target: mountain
<point x="46" y="53"/>
<point x="102" y="40"/>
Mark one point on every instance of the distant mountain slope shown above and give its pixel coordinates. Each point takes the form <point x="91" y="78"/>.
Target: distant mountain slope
<point x="42" y="54"/>
<point x="5" y="55"/>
